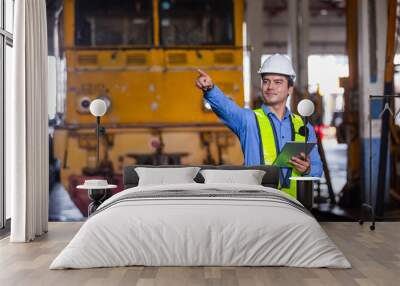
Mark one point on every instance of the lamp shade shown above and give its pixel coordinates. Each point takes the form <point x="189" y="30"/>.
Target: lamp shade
<point x="305" y="107"/>
<point x="98" y="107"/>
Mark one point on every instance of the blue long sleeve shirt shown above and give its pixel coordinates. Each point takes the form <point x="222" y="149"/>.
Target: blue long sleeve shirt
<point x="243" y="123"/>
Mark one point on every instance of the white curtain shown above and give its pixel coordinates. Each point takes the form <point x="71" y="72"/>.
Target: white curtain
<point x="26" y="124"/>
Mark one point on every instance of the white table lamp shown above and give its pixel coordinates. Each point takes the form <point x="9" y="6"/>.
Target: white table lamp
<point x="305" y="108"/>
<point x="98" y="108"/>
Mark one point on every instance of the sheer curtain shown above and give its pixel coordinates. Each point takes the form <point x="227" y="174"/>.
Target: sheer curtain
<point x="26" y="124"/>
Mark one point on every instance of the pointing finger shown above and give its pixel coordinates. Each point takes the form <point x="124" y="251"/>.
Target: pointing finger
<point x="202" y="73"/>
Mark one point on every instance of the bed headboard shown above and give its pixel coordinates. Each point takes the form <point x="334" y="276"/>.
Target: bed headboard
<point x="270" y="179"/>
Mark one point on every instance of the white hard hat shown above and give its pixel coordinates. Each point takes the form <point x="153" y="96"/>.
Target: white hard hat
<point x="278" y="64"/>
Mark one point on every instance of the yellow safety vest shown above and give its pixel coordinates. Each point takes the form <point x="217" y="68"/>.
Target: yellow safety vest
<point x="269" y="147"/>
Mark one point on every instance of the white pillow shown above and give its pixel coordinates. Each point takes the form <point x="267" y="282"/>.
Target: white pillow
<point x="248" y="177"/>
<point x="163" y="176"/>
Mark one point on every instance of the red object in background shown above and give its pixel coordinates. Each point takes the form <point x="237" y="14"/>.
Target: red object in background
<point x="80" y="196"/>
<point x="319" y="130"/>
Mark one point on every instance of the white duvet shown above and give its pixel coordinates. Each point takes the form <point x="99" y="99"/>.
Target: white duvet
<point x="183" y="231"/>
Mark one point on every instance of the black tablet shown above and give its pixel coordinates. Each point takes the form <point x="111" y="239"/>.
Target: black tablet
<point x="291" y="149"/>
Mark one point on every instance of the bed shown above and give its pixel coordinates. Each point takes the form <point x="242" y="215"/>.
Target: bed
<point x="201" y="224"/>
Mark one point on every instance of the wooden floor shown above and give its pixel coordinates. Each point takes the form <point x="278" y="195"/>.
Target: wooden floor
<point x="375" y="257"/>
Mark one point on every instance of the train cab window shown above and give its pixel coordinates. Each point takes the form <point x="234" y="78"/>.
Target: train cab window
<point x="113" y="23"/>
<point x="196" y="22"/>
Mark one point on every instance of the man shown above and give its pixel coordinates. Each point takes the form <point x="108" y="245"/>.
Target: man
<point x="263" y="132"/>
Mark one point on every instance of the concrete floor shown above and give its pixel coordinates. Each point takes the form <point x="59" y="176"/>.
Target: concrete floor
<point x="337" y="163"/>
<point x="61" y="207"/>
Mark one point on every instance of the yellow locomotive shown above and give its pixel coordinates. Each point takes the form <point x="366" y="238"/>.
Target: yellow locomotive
<point x="141" y="57"/>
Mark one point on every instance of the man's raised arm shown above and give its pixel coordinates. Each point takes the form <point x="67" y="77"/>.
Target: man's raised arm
<point x="225" y="108"/>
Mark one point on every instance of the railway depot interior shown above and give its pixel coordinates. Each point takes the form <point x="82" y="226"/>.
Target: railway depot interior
<point x="141" y="57"/>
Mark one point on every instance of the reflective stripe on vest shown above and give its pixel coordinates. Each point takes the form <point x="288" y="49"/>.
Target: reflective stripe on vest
<point x="269" y="147"/>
